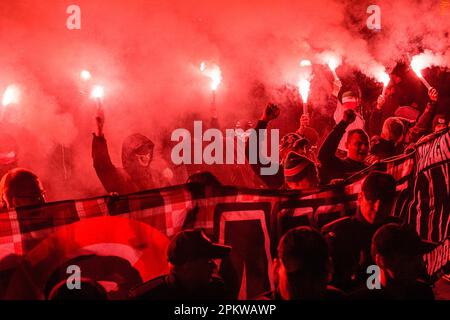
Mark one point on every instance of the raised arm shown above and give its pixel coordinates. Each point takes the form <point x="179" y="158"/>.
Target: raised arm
<point x="423" y="124"/>
<point x="327" y="151"/>
<point x="105" y="169"/>
<point x="270" y="113"/>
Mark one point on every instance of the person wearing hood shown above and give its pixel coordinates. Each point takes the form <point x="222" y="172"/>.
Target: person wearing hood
<point x="137" y="173"/>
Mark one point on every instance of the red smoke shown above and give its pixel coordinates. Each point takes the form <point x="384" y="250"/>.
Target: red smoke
<point x="147" y="55"/>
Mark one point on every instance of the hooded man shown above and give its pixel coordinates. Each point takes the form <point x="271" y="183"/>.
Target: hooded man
<point x="137" y="173"/>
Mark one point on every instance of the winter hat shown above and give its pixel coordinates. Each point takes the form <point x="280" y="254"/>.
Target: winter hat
<point x="297" y="167"/>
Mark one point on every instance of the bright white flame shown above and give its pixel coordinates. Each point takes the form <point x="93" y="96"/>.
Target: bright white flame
<point x="330" y="58"/>
<point x="216" y="78"/>
<point x="303" y="88"/>
<point x="85" y="75"/>
<point x="11" y="95"/>
<point x="333" y="63"/>
<point x="213" y="73"/>
<point x="424" y="60"/>
<point x="417" y="64"/>
<point x="383" y="77"/>
<point x="98" y="92"/>
<point x="305" y="63"/>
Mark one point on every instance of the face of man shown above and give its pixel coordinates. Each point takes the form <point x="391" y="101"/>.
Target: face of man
<point x="198" y="272"/>
<point x="405" y="268"/>
<point x="310" y="181"/>
<point x="373" y="211"/>
<point x="440" y="126"/>
<point x="358" y="147"/>
<point x="351" y="105"/>
<point x="144" y="156"/>
<point x="369" y="209"/>
<point x="17" y="202"/>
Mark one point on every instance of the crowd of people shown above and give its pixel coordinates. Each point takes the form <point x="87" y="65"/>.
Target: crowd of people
<point x="330" y="263"/>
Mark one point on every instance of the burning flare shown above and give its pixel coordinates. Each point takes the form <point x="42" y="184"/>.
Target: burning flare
<point x="97" y="92"/>
<point x="384" y="78"/>
<point x="305" y="63"/>
<point x="333" y="63"/>
<point x="11" y="95"/>
<point x="418" y="63"/>
<point x="303" y="88"/>
<point x="332" y="60"/>
<point x="85" y="75"/>
<point x="214" y="73"/>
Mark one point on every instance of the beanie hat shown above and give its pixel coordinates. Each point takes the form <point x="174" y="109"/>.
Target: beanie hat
<point x="296" y="167"/>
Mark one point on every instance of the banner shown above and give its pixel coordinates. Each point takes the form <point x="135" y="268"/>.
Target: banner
<point x="129" y="234"/>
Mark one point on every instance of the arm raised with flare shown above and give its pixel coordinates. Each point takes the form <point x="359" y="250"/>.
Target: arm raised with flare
<point x="112" y="178"/>
<point x="424" y="121"/>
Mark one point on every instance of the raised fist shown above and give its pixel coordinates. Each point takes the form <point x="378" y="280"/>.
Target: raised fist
<point x="349" y="116"/>
<point x="271" y="112"/>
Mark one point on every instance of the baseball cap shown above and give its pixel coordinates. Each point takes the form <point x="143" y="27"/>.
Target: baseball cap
<point x="394" y="239"/>
<point x="189" y="245"/>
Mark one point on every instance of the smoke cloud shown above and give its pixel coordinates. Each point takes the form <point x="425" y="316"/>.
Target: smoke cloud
<point x="147" y="55"/>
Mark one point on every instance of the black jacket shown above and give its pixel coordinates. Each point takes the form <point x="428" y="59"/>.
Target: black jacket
<point x="275" y="181"/>
<point x="350" y="242"/>
<point x="165" y="287"/>
<point x="131" y="178"/>
<point x="331" y="167"/>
